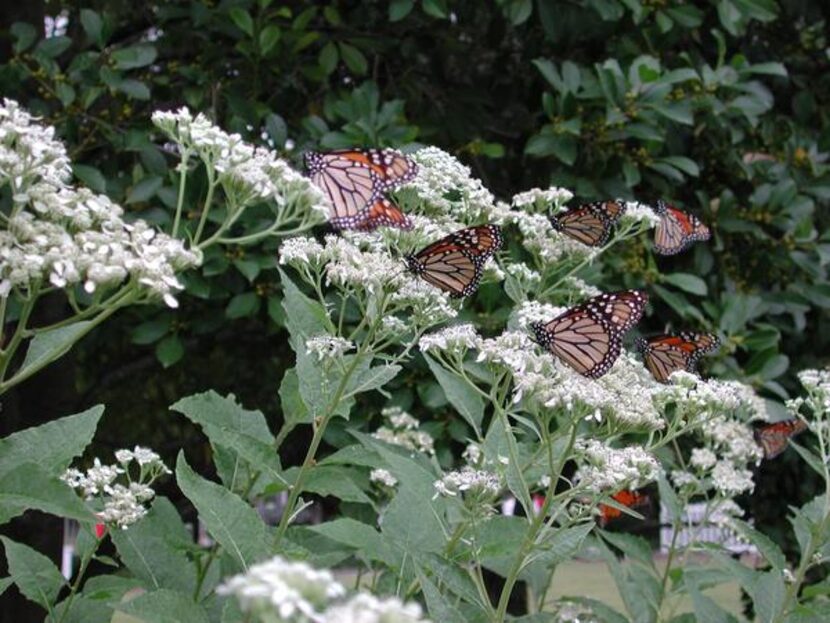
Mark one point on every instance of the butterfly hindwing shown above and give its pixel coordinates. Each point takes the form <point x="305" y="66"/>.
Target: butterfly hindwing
<point x="773" y="438"/>
<point x="590" y="223"/>
<point x="664" y="354"/>
<point x="677" y="230"/>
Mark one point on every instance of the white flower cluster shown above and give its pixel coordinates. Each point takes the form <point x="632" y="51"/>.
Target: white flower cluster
<point x="603" y="468"/>
<point x="62" y="235"/>
<point x="457" y="339"/>
<point x="247" y="173"/>
<point x="538" y="199"/>
<point x="123" y="504"/>
<point x="383" y="477"/>
<point x="366" y="608"/>
<point x="327" y="347"/>
<point x="475" y="483"/>
<point x="730" y="480"/>
<point x="524" y="275"/>
<point x="293" y="591"/>
<point x="817" y="384"/>
<point x="696" y="400"/>
<point x="403" y="431"/>
<point x="445" y="188"/>
<point x="360" y="264"/>
<point x="640" y="213"/>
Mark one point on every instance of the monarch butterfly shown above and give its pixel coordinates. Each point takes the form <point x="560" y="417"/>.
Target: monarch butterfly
<point x="355" y="180"/>
<point x="589" y="223"/>
<point x="664" y="354"/>
<point x="773" y="437"/>
<point x="588" y="337"/>
<point x="677" y="230"/>
<point x="630" y="499"/>
<point x="383" y="212"/>
<point x="456" y="262"/>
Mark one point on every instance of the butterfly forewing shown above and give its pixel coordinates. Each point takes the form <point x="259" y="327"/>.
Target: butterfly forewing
<point x="664" y="354"/>
<point x="622" y="309"/>
<point x="383" y="212"/>
<point x="455" y="263"/>
<point x="773" y="438"/>
<point x="589" y="223"/>
<point x="677" y="230"/>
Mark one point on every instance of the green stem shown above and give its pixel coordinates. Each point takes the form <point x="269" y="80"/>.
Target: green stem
<point x="532" y="533"/>
<point x="182" y="185"/>
<point x="206" y="209"/>
<point x="87" y="558"/>
<point x="7" y="354"/>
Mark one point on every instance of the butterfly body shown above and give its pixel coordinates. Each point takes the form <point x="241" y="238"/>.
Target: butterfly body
<point x="664" y="354"/>
<point x="589" y="223"/>
<point x="677" y="230"/>
<point x="588" y="337"/>
<point x="773" y="438"/>
<point x="455" y="264"/>
<point x="355" y="181"/>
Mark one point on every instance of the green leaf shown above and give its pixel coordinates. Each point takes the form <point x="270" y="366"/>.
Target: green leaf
<point x="373" y="378"/>
<point x="361" y="537"/>
<point x="435" y="8"/>
<point x="243" y="20"/>
<point x="24" y="36"/>
<point x="4" y="584"/>
<point x="328" y="57"/>
<point x="461" y="396"/>
<point x="765" y="545"/>
<point x="706" y="609"/>
<point x="332" y="480"/>
<point x="268" y="38"/>
<point x="809" y="457"/>
<point x="90" y="176"/>
<point x="29" y="486"/>
<point x="53" y="445"/>
<point x="53" y="46"/>
<point x="37" y="577"/>
<point x="439" y="606"/>
<point x="65" y="93"/>
<point x="563" y="545"/>
<point x="669" y="497"/>
<point x="688" y="166"/>
<point x="304" y="317"/>
<point x="398" y="9"/>
<point x="249" y="268"/>
<point x="294" y="410"/>
<point x="688" y="282"/>
<point x="92" y="25"/>
<point x="681" y="112"/>
<point x="151" y="331"/>
<point x="51" y="345"/>
<point x="134" y="88"/>
<point x="243" y="305"/>
<point x="154" y="549"/>
<point x="163" y="606"/>
<point x="135" y="56"/>
<point x="768" y="596"/>
<point x="353" y="58"/>
<point x="169" y="350"/>
<point x="635" y="547"/>
<point x="236" y="526"/>
<point x="144" y="190"/>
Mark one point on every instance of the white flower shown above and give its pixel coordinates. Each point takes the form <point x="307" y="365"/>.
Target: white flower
<point x="400" y="419"/>
<point x="300" y="250"/>
<point x="730" y="481"/>
<point x="403" y="431"/>
<point x="640" y="213"/>
<point x="125" y="505"/>
<point x="603" y="468"/>
<point x="703" y="458"/>
<point x="365" y="608"/>
<point x="732" y="439"/>
<point x="290" y="591"/>
<point x="536" y="311"/>
<point x="327" y="347"/>
<point x="682" y="479"/>
<point x="445" y="188"/>
<point x="475" y="482"/>
<point x="456" y="339"/>
<point x="541" y="199"/>
<point x="383" y="477"/>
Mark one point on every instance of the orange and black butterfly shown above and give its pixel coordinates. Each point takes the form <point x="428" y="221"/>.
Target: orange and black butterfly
<point x="588" y="337"/>
<point x="677" y="230"/>
<point x="355" y="181"/>
<point x="455" y="263"/>
<point x="630" y="499"/>
<point x="664" y="354"/>
<point x="773" y="437"/>
<point x="590" y="223"/>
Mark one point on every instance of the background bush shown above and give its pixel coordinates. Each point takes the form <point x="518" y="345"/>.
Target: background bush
<point x="715" y="105"/>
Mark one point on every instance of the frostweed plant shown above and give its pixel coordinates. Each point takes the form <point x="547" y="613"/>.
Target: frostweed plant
<point x="56" y="236"/>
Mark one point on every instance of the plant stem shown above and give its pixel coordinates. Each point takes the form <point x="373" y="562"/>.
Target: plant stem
<point x="7" y="354"/>
<point x="77" y="583"/>
<point x="206" y="209"/>
<point x="182" y="184"/>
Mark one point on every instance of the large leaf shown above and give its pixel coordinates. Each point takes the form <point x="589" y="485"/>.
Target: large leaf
<point x="29" y="486"/>
<point x="53" y="445"/>
<point x="304" y="316"/>
<point x="37" y="577"/>
<point x="361" y="537"/>
<point x="154" y="549"/>
<point x="164" y="606"/>
<point x="464" y="398"/>
<point x="765" y="545"/>
<point x="231" y="522"/>
<point x="48" y="346"/>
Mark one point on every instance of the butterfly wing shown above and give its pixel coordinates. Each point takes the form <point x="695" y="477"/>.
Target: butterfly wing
<point x="354" y="180"/>
<point x="664" y="354"/>
<point x="590" y="223"/>
<point x="630" y="499"/>
<point x="773" y="438"/>
<point x="455" y="263"/>
<point x="383" y="212"/>
<point x="622" y="309"/>
<point x="588" y="344"/>
<point x="677" y="230"/>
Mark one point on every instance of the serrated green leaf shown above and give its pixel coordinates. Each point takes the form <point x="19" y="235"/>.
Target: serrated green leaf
<point x="37" y="577"/>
